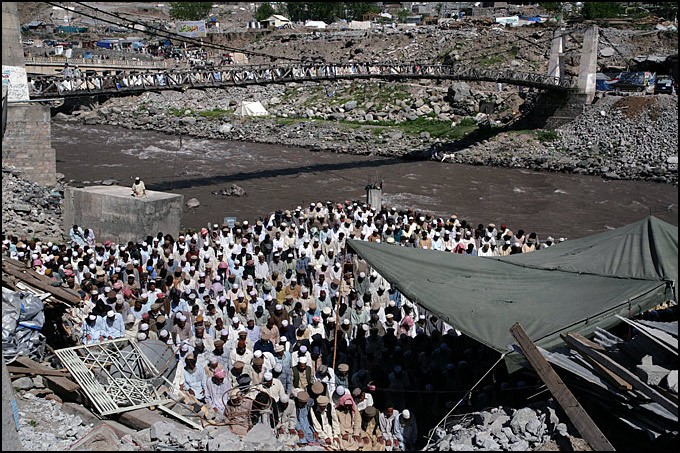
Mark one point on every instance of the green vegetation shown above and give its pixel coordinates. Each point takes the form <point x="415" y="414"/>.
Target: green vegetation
<point x="190" y="10"/>
<point x="549" y="135"/>
<point x="179" y="112"/>
<point x="33" y="423"/>
<point x="328" y="11"/>
<point x="264" y="11"/>
<point x="491" y="60"/>
<point x="601" y="10"/>
<point x="214" y="113"/>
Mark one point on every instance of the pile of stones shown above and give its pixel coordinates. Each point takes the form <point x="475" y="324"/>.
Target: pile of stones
<point x="30" y="209"/>
<point x="504" y="429"/>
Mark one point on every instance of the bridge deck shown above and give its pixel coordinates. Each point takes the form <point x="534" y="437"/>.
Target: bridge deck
<point x="130" y="82"/>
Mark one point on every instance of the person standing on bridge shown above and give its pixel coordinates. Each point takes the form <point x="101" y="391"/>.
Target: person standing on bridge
<point x="138" y="188"/>
<point x="67" y="72"/>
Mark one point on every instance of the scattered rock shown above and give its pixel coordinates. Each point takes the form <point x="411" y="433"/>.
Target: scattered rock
<point x="650" y="373"/>
<point x="101" y="439"/>
<point x="193" y="203"/>
<point x="24" y="383"/>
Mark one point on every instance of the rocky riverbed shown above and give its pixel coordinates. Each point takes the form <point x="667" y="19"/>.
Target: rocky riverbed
<point x="617" y="137"/>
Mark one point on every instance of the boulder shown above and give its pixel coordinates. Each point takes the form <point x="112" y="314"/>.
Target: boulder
<point x="102" y="439"/>
<point x="225" y="441"/>
<point x="226" y="128"/>
<point x="24" y="383"/>
<point x="161" y="430"/>
<point x="350" y="105"/>
<point x="193" y="203"/>
<point x="520" y="420"/>
<point x="458" y="91"/>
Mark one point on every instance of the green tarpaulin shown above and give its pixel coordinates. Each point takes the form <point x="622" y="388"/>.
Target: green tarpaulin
<point x="571" y="287"/>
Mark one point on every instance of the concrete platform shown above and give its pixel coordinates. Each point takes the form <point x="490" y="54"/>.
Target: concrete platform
<point x="115" y="215"/>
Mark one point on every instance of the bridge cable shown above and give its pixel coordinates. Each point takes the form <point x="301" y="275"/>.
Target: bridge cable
<point x="188" y="39"/>
<point x="167" y="34"/>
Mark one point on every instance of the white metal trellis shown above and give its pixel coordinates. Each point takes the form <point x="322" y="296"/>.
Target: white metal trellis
<point x="115" y="375"/>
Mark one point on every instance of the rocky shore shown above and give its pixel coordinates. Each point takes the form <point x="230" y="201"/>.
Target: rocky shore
<point x="617" y="137"/>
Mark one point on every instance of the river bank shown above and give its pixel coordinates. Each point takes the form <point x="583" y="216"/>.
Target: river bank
<point x="631" y="137"/>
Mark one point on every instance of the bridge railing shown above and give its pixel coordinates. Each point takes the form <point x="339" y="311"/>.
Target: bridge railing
<point x="97" y="62"/>
<point x="43" y="86"/>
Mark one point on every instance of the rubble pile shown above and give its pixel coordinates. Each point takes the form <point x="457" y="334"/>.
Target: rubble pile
<point x="43" y="425"/>
<point x="630" y="138"/>
<point x="504" y="429"/>
<point x="29" y="209"/>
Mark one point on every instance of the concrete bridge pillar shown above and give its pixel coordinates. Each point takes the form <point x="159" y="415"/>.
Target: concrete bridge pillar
<point x="27" y="141"/>
<point x="587" y="70"/>
<point x="556" y="64"/>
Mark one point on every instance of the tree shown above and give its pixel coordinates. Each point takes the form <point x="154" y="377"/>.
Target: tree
<point x="190" y="10"/>
<point x="403" y="14"/>
<point x="600" y="10"/>
<point x="357" y="10"/>
<point x="264" y="11"/>
<point x="553" y="7"/>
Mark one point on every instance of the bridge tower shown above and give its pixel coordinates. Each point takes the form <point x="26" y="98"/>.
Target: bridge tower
<point x="587" y="71"/>
<point x="27" y="139"/>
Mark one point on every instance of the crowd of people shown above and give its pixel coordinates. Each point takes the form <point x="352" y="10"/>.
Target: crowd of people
<point x="279" y="317"/>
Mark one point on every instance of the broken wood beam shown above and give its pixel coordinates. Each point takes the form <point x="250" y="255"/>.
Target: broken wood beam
<point x="578" y="416"/>
<point x="613" y="379"/>
<point x="583" y="346"/>
<point x="35" y="371"/>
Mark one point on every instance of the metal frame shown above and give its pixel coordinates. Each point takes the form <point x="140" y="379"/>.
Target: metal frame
<point x="124" y="379"/>
<point x="132" y="82"/>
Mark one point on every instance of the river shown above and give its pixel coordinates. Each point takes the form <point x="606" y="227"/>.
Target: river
<point x="283" y="177"/>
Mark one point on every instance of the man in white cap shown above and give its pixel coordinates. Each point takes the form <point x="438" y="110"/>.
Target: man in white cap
<point x="272" y="386"/>
<point x="406" y="430"/>
<point x="287" y="419"/>
<point x="181" y="329"/>
<point x="138" y="188"/>
<point x="91" y="329"/>
<point x="549" y="242"/>
<point x="150" y="334"/>
<point x="112" y="326"/>
<point x="300" y="353"/>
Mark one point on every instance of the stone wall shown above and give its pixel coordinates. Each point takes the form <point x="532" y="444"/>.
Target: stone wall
<point x="27" y="143"/>
<point x="115" y="215"/>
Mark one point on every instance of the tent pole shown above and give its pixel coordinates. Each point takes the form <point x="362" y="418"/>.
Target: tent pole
<point x="337" y="308"/>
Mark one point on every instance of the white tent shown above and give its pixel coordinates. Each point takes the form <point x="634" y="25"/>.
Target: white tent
<point x="315" y="24"/>
<point x="251" y="109"/>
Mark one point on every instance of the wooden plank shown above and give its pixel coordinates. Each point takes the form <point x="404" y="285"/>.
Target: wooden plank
<point x="31" y="277"/>
<point x="615" y="380"/>
<point x="35" y="371"/>
<point x="582" y="345"/>
<point x="63" y="385"/>
<point x="578" y="416"/>
<point x="663" y="339"/>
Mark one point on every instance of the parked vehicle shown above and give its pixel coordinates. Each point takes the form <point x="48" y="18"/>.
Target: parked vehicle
<point x="664" y="84"/>
<point x="635" y="81"/>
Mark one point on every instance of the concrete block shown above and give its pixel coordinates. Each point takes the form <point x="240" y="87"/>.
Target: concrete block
<point x="115" y="215"/>
<point x="650" y="373"/>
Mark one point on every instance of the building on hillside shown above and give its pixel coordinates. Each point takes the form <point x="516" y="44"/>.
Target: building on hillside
<point x="277" y="21"/>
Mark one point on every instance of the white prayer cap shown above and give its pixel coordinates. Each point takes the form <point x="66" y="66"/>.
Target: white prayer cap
<point x="163" y="333"/>
<point x="224" y="332"/>
<point x="303" y="349"/>
<point x="284" y="323"/>
<point x="303" y="360"/>
<point x="240" y="294"/>
<point x="421" y="317"/>
<point x="201" y="274"/>
<point x="92" y="266"/>
<point x="234" y="286"/>
<point x="213" y="360"/>
<point x="346" y="322"/>
<point x="268" y="297"/>
<point x="111" y="314"/>
<point x="406" y="414"/>
<point x="187" y="291"/>
<point x="185" y="347"/>
<point x="283" y="399"/>
<point x="141" y="336"/>
<point x="268" y="376"/>
<point x="192" y="268"/>
<point x="283" y="339"/>
<point x="144" y="326"/>
<point x="218" y="278"/>
<point x="340" y="390"/>
<point x="92" y="317"/>
<point x="192" y="296"/>
<point x="278" y="307"/>
<point x="223" y="299"/>
<point x="182" y="318"/>
<point x="257" y="353"/>
<point x="235" y="319"/>
<point x="253" y="293"/>
<point x="362" y="274"/>
<point x="278" y="368"/>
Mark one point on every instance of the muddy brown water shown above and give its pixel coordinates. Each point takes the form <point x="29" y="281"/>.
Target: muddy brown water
<point x="283" y="177"/>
